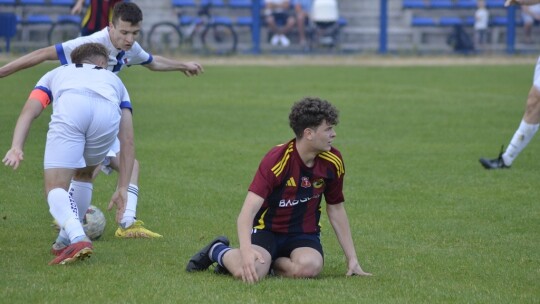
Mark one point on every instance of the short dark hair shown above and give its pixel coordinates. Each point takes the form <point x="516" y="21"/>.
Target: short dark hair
<point x="128" y="12"/>
<point x="310" y="112"/>
<point x="87" y="51"/>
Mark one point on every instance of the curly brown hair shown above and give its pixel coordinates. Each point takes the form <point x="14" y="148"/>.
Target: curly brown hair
<point x="310" y="112"/>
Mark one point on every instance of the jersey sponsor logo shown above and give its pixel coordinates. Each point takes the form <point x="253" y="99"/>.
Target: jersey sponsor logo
<point x="318" y="183"/>
<point x="290" y="203"/>
<point x="291" y="182"/>
<point x="305" y="182"/>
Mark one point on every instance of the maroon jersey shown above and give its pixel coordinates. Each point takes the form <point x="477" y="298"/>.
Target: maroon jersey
<point x="293" y="192"/>
<point x="98" y="15"/>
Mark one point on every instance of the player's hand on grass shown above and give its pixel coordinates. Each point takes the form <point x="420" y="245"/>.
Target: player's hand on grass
<point x="355" y="269"/>
<point x="193" y="69"/>
<point x="249" y="258"/>
<point x="13" y="158"/>
<point x="119" y="199"/>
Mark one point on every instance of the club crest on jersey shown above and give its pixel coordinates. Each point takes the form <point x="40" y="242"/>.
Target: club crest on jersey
<point x="318" y="183"/>
<point x="305" y="182"/>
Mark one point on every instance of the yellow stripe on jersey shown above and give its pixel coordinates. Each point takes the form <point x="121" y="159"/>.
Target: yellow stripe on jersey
<point x="261" y="221"/>
<point x="278" y="168"/>
<point x="334" y="159"/>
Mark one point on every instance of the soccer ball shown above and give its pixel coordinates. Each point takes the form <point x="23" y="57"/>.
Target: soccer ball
<point x="94" y="223"/>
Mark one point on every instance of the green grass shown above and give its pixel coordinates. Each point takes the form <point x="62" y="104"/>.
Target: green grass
<point x="427" y="220"/>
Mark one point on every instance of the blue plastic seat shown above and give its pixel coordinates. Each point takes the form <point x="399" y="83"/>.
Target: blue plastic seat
<point x="423" y="21"/>
<point x="466" y="4"/>
<point x="240" y="3"/>
<point x="495" y="3"/>
<point x="64" y="19"/>
<point x="244" y="21"/>
<point x="415" y="4"/>
<point x="441" y="4"/>
<point x="450" y="21"/>
<point x="214" y="3"/>
<point x="498" y="21"/>
<point x="222" y="20"/>
<point x="37" y="19"/>
<point x="182" y="3"/>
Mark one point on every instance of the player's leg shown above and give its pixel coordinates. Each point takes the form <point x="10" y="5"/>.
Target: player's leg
<point x="64" y="210"/>
<point x="130" y="227"/>
<point x="232" y="261"/>
<point x="303" y="263"/>
<point x="300" y="257"/>
<point x="526" y="130"/>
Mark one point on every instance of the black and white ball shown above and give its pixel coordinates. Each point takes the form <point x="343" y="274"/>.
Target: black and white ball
<point x="94" y="223"/>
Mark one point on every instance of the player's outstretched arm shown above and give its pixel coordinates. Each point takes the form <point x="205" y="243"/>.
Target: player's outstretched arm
<point x="521" y="2"/>
<point x="30" y="111"/>
<point x="127" y="158"/>
<point x="340" y="222"/>
<point x="161" y="63"/>
<point x="29" y="60"/>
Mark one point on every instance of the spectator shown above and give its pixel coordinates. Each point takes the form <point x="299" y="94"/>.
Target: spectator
<point x="97" y="16"/>
<point x="279" y="20"/>
<point x="481" y="21"/>
<point x="302" y="9"/>
<point x="530" y="14"/>
<point x="325" y="16"/>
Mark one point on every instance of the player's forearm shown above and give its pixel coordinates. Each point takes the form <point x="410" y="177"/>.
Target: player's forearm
<point x="340" y="223"/>
<point x="28" y="60"/>
<point x="164" y="64"/>
<point x="127" y="149"/>
<point x="527" y="2"/>
<point x="31" y="110"/>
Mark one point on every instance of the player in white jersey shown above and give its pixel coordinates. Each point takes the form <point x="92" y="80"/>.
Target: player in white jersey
<point x="530" y="121"/>
<point x="119" y="38"/>
<point x="91" y="108"/>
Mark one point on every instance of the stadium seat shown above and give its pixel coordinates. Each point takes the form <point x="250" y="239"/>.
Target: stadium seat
<point x="441" y="4"/>
<point x="214" y="3"/>
<point x="183" y="3"/>
<point x="415" y="4"/>
<point x="495" y="3"/>
<point x="450" y="21"/>
<point x="466" y="4"/>
<point x="423" y="21"/>
<point x="240" y="4"/>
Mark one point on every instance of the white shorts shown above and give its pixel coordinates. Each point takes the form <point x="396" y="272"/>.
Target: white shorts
<point x="81" y="132"/>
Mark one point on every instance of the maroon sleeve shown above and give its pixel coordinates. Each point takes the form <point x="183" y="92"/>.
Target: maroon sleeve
<point x="333" y="193"/>
<point x="264" y="179"/>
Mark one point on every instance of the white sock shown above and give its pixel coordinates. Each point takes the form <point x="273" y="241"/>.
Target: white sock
<point x="64" y="210"/>
<point x="131" y="207"/>
<point x="519" y="141"/>
<point x="81" y="192"/>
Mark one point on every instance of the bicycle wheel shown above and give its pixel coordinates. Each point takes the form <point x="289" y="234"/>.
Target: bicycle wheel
<point x="164" y="37"/>
<point x="219" y="39"/>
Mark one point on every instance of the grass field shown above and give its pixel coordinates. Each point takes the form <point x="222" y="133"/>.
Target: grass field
<point x="427" y="220"/>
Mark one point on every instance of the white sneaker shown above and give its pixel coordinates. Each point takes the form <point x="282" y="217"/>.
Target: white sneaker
<point x="284" y="40"/>
<point x="275" y="40"/>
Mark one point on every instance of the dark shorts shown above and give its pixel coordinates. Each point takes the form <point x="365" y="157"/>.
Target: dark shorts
<point x="281" y="245"/>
